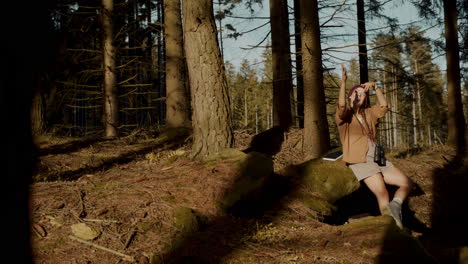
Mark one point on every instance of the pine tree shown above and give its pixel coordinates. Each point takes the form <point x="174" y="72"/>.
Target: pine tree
<point x="177" y="102"/>
<point x="266" y="86"/>
<point x="316" y="133"/>
<point x="110" y="84"/>
<point x="282" y="73"/>
<point x="353" y="72"/>
<point x="456" y="120"/>
<point x="361" y="25"/>
<point x="387" y="58"/>
<point x="211" y="118"/>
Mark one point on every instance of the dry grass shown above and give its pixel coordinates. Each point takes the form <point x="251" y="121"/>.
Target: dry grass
<point x="137" y="199"/>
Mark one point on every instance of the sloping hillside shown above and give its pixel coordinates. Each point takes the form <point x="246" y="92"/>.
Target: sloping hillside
<point x="141" y="199"/>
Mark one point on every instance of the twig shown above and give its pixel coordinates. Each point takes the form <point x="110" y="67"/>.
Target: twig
<point x="126" y="257"/>
<point x="100" y="220"/>
<point x="130" y="239"/>
<point x="83" y="210"/>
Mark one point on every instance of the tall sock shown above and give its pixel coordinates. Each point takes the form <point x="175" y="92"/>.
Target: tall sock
<point x="398" y="201"/>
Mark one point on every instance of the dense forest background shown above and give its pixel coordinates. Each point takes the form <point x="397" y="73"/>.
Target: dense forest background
<point x="69" y="98"/>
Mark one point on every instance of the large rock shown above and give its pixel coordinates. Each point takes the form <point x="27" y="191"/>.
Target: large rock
<point x="323" y="183"/>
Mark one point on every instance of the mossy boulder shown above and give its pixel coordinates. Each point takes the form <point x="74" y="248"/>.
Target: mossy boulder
<point x="188" y="220"/>
<point x="251" y="173"/>
<point x="323" y="182"/>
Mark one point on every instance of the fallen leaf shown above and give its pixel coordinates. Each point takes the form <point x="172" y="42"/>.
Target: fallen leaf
<point x="40" y="230"/>
<point x="84" y="231"/>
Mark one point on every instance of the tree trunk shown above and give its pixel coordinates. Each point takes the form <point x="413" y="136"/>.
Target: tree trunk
<point x="395" y="109"/>
<point x="37" y="109"/>
<point x="109" y="85"/>
<point x="415" y="129"/>
<point x="456" y="120"/>
<point x="299" y="78"/>
<point x="150" y="114"/>
<point x="256" y="115"/>
<point x="161" y="62"/>
<point x="246" y="109"/>
<point x="363" y="64"/>
<point x="429" y="138"/>
<point x="418" y="96"/>
<point x="316" y="133"/>
<point x="177" y="102"/>
<point x="388" y="139"/>
<point x="221" y="31"/>
<point x="211" y="118"/>
<point x="282" y="75"/>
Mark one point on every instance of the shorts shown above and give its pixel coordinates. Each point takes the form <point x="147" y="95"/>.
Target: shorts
<point x="369" y="168"/>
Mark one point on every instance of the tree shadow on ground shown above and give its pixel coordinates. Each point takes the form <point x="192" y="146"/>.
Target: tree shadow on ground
<point x="267" y="142"/>
<point x="449" y="217"/>
<point x="70" y="146"/>
<point x="126" y="157"/>
<point x="448" y="234"/>
<point x="217" y="238"/>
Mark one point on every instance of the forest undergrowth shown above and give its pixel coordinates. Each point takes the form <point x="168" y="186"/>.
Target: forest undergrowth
<point x="142" y="200"/>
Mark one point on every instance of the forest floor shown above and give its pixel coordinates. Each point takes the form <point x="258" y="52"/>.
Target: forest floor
<point x="131" y="191"/>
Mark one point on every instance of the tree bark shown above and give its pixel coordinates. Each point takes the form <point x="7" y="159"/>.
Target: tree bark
<point x="299" y="78"/>
<point x="177" y="102"/>
<point x="316" y="133"/>
<point x="456" y="120"/>
<point x="396" y="140"/>
<point x="37" y="109"/>
<point x="363" y="63"/>
<point x="211" y="118"/>
<point x="387" y="118"/>
<point x="281" y="60"/>
<point x="418" y="96"/>
<point x="415" y="125"/>
<point x="246" y="109"/>
<point x="109" y="85"/>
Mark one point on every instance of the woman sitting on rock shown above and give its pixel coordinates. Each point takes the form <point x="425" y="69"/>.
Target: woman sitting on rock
<point x="357" y="129"/>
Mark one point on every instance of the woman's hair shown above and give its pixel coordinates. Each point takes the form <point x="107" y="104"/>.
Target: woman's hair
<point x="366" y="101"/>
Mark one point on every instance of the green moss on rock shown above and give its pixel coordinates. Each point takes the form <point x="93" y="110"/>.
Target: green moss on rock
<point x="325" y="182"/>
<point x="187" y="219"/>
<point x="319" y="205"/>
<point x="329" y="180"/>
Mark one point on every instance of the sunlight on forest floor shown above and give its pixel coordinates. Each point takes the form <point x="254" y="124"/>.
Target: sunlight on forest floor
<point x="134" y="203"/>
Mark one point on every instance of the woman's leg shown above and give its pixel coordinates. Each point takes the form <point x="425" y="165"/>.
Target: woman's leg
<point x="376" y="184"/>
<point x="394" y="176"/>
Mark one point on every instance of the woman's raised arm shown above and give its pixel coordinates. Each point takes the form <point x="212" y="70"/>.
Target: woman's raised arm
<point x="342" y="94"/>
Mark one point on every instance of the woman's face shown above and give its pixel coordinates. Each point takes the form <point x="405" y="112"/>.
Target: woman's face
<point x="358" y="97"/>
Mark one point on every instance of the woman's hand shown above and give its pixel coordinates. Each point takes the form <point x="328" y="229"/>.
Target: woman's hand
<point x="368" y="86"/>
<point x="344" y="73"/>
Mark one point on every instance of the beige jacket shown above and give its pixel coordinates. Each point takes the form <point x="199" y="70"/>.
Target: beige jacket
<point x="353" y="137"/>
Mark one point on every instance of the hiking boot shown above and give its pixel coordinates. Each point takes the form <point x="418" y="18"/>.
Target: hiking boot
<point x="394" y="210"/>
